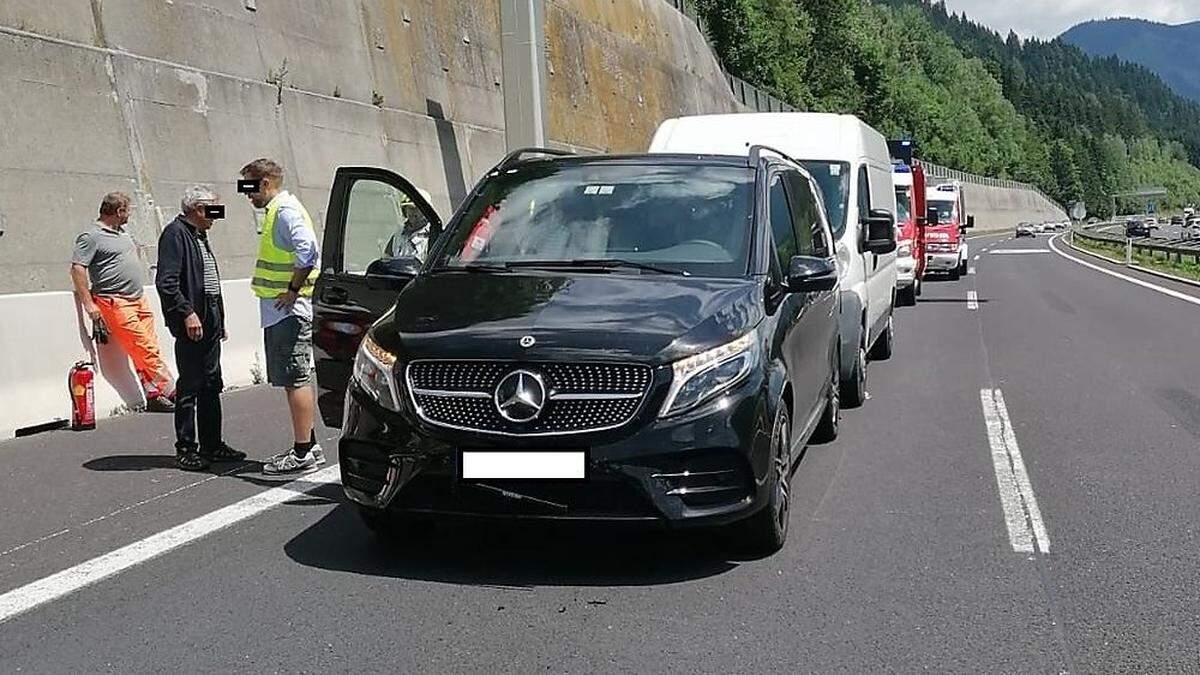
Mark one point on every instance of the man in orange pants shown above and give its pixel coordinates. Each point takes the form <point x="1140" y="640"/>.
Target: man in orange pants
<point x="108" y="278"/>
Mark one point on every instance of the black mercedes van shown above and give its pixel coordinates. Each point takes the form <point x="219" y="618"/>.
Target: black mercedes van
<point x="647" y="338"/>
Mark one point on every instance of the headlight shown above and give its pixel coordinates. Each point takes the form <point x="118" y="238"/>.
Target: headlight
<point x="373" y="373"/>
<point x="698" y="378"/>
<point x="904" y="249"/>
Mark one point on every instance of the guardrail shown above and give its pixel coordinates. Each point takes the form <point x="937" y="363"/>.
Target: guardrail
<point x="945" y="173"/>
<point x="1169" y="247"/>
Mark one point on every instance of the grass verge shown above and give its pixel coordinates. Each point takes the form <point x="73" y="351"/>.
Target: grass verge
<point x="1159" y="262"/>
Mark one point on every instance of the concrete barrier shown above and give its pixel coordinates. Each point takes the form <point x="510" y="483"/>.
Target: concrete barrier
<point x="44" y="334"/>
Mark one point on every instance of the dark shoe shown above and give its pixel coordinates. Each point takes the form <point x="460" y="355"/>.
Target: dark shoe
<point x="190" y="460"/>
<point x="223" y="453"/>
<point x="160" y="404"/>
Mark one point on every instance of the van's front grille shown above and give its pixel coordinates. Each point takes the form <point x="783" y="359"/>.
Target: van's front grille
<point x="575" y="397"/>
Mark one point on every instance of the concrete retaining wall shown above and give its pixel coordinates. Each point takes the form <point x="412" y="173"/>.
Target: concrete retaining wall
<point x="1001" y="208"/>
<point x="149" y="96"/>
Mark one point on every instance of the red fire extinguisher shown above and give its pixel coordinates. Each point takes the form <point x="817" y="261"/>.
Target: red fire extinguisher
<point x="81" y="383"/>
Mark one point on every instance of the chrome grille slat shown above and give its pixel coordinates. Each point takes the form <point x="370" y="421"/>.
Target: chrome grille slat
<point x="582" y="397"/>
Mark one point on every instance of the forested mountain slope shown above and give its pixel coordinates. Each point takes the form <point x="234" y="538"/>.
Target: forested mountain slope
<point x="1077" y="126"/>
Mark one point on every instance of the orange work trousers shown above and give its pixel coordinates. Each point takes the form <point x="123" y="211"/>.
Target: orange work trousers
<point x="131" y="324"/>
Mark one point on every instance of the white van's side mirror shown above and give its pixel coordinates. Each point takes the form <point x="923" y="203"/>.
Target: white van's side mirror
<point x="879" y="232"/>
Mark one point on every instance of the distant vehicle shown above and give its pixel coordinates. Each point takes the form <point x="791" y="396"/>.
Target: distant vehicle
<point x="909" y="178"/>
<point x="1177" y="220"/>
<point x="1191" y="229"/>
<point x="851" y="164"/>
<point x="1025" y="230"/>
<point x="945" y="236"/>
<point x="1137" y="228"/>
<point x="1150" y="221"/>
<point x="1093" y="220"/>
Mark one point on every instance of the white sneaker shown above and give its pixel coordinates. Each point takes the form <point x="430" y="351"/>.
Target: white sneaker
<point x="288" y="464"/>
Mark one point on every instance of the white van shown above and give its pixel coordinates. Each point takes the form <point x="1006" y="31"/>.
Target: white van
<point x="850" y="162"/>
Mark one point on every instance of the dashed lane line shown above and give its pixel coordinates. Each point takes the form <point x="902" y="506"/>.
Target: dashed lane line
<point x="1022" y="516"/>
<point x="972" y="300"/>
<point x="61" y="584"/>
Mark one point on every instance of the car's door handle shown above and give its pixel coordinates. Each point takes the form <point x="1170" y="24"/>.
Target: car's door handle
<point x="335" y="295"/>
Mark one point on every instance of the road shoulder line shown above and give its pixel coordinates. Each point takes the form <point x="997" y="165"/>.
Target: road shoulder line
<point x="1125" y="277"/>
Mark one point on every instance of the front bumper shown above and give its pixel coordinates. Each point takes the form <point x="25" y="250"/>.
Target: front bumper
<point x="709" y="467"/>
<point x="941" y="262"/>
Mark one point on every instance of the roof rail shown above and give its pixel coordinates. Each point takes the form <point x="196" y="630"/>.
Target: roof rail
<point x="517" y="155"/>
<point x="756" y="152"/>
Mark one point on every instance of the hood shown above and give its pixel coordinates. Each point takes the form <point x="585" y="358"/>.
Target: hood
<point x="602" y="316"/>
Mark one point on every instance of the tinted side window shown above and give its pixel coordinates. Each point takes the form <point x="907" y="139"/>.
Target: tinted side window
<point x="805" y="214"/>
<point x="864" y="193"/>
<point x="781" y="222"/>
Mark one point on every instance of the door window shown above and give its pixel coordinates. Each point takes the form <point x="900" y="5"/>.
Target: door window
<point x="381" y="222"/>
<point x="781" y="222"/>
<point x="810" y="233"/>
<point x="864" y="193"/>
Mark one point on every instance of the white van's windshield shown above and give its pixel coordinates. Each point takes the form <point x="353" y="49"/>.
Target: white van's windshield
<point x="834" y="180"/>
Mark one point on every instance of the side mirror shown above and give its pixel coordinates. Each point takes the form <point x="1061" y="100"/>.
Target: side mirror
<point x="879" y="232"/>
<point x="970" y="222"/>
<point x="391" y="273"/>
<point x="807" y="274"/>
<point x="931" y="216"/>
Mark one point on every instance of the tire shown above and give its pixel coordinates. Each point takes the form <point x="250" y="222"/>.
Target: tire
<point x="766" y="531"/>
<point x="907" y="297"/>
<point x="854" y="388"/>
<point x="882" y="349"/>
<point x="831" y="417"/>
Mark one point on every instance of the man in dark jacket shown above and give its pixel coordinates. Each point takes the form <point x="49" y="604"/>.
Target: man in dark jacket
<point x="189" y="286"/>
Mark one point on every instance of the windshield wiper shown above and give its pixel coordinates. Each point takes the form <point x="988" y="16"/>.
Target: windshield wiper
<point x="597" y="263"/>
<point x="472" y="267"/>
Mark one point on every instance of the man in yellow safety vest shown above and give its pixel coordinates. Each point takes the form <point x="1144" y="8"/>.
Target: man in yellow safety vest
<point x="289" y="260"/>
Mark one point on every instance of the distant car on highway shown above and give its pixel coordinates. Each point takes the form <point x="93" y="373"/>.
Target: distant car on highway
<point x="1137" y="228"/>
<point x="1151" y="222"/>
<point x="1177" y="220"/>
<point x="1026" y="230"/>
<point x="1190" y="229"/>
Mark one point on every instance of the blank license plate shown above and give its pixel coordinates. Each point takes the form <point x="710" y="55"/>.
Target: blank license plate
<point x="523" y="465"/>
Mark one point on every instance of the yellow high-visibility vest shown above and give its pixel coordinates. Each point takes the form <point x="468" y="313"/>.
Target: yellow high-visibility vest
<point x="275" y="266"/>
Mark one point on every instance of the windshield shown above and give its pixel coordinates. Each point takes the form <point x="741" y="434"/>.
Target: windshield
<point x="903" y="205"/>
<point x="834" y="180"/>
<point x="693" y="219"/>
<point x="945" y="210"/>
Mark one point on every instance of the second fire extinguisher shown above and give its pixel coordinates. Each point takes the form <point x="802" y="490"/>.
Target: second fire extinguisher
<point x="82" y="384"/>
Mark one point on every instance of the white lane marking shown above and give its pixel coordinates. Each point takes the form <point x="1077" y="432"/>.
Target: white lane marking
<point x="1144" y="284"/>
<point x="971" y="270"/>
<point x="972" y="300"/>
<point x="976" y="257"/>
<point x="1021" y="511"/>
<point x="60" y="584"/>
<point x="1019" y="251"/>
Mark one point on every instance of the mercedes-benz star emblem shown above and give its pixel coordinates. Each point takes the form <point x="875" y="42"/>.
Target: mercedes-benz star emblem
<point x="520" y="396"/>
<point x="527" y="341"/>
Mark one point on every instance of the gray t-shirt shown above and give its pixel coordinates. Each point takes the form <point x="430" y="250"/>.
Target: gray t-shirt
<point x="112" y="261"/>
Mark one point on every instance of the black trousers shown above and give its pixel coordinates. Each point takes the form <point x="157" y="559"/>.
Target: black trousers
<point x="198" y="390"/>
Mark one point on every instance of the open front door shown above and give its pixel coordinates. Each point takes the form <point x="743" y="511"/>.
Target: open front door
<point x="378" y="230"/>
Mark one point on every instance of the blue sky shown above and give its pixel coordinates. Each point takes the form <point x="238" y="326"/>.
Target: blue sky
<point x="1046" y="19"/>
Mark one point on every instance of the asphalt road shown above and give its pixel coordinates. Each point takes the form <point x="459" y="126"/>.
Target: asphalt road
<point x="915" y="544"/>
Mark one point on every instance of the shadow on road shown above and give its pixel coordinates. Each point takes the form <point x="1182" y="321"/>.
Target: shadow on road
<point x="511" y="554"/>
